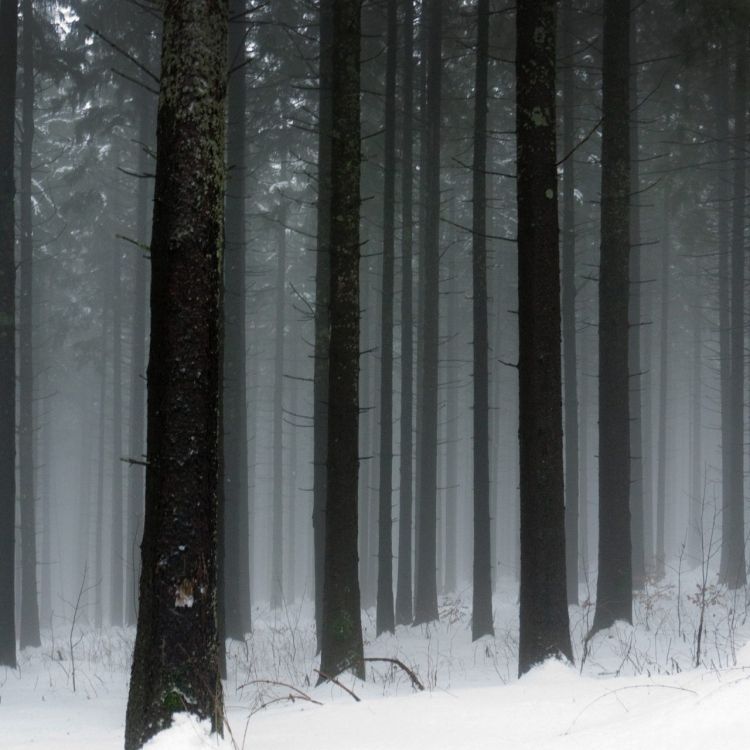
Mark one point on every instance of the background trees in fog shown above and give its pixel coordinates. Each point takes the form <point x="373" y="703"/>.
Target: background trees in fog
<point x="650" y="158"/>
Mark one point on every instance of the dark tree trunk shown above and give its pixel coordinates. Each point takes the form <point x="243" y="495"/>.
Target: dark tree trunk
<point x="648" y="463"/>
<point x="570" y="375"/>
<point x="614" y="584"/>
<point x="544" y="627"/>
<point x="45" y="440"/>
<point x="721" y="106"/>
<point x="277" y="533"/>
<point x="634" y="365"/>
<point x="322" y="295"/>
<point x="404" y="576"/>
<point x="176" y="659"/>
<point x="425" y="598"/>
<point x="385" y="616"/>
<point x="341" y="646"/>
<point x="98" y="514"/>
<point x="583" y="469"/>
<point x="29" y="625"/>
<point x="236" y="578"/>
<point x="452" y="430"/>
<point x="695" y="530"/>
<point x="117" y="556"/>
<point x="481" y="618"/>
<point x="8" y="65"/>
<point x="733" y="573"/>
<point x="291" y="492"/>
<point x="661" y="480"/>
<point x="137" y="405"/>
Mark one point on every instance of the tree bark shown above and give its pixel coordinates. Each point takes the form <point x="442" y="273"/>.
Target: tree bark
<point x="661" y="479"/>
<point x="570" y="374"/>
<point x="385" y="621"/>
<point x="176" y="659"/>
<point x="406" y="465"/>
<point x="614" y="584"/>
<point x="425" y="598"/>
<point x="29" y="624"/>
<point x="733" y="573"/>
<point x="236" y="577"/>
<point x="277" y="551"/>
<point x="481" y="618"/>
<point x="634" y="366"/>
<point x="8" y="65"/>
<point x="137" y="403"/>
<point x="117" y="552"/>
<point x="322" y="296"/>
<point x="721" y="106"/>
<point x="543" y="619"/>
<point x="341" y="646"/>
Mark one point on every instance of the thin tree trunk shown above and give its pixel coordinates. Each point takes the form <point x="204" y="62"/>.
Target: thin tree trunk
<point x="695" y="532"/>
<point x="543" y="618"/>
<point x="8" y="65"/>
<point x="117" y="556"/>
<point x="452" y="433"/>
<point x="291" y="516"/>
<point x="734" y="573"/>
<point x="236" y="578"/>
<point x="322" y="296"/>
<point x="661" y="482"/>
<point x="98" y="514"/>
<point x="29" y="625"/>
<point x="634" y="364"/>
<point x="277" y="552"/>
<point x="385" y="621"/>
<point x="425" y="600"/>
<point x="341" y="646"/>
<point x="45" y="467"/>
<point x="614" y="585"/>
<point x="406" y="476"/>
<point x="137" y="404"/>
<point x="570" y="375"/>
<point x="481" y="618"/>
<point x="721" y="106"/>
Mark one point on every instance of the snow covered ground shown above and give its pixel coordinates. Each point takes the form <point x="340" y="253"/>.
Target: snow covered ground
<point x="636" y="687"/>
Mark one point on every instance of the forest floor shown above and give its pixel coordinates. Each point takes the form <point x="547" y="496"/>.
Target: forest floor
<point x="631" y="687"/>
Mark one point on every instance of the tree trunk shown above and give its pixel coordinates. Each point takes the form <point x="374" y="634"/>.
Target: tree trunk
<point x="697" y="499"/>
<point x="277" y="552"/>
<point x="137" y="405"/>
<point x="117" y="556"/>
<point x="29" y="625"/>
<point x="634" y="364"/>
<point x="570" y="375"/>
<point x="661" y="481"/>
<point x="322" y="296"/>
<point x="614" y="584"/>
<point x="404" y="576"/>
<point x="385" y="616"/>
<point x="425" y="599"/>
<point x="98" y="514"/>
<point x="8" y="64"/>
<point x="176" y="658"/>
<point x="721" y="106"/>
<point x="236" y="579"/>
<point x="341" y="646"/>
<point x="481" y="618"/>
<point x="543" y="619"/>
<point x="733" y="574"/>
<point x="452" y="432"/>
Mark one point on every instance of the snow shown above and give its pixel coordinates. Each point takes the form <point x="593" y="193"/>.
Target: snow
<point x="637" y="687"/>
